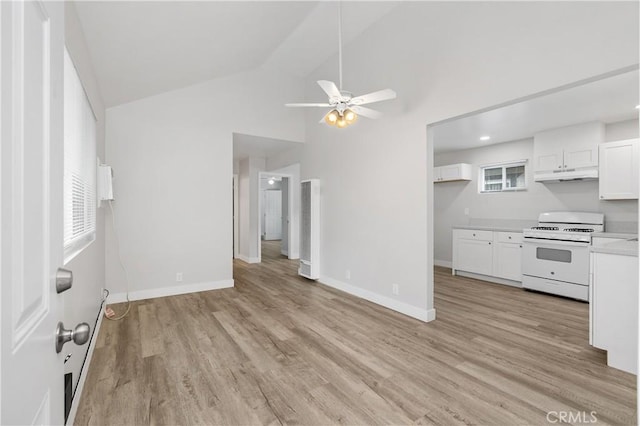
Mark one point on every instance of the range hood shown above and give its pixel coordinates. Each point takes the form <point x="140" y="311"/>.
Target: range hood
<point x="567" y="153"/>
<point x="567" y="175"/>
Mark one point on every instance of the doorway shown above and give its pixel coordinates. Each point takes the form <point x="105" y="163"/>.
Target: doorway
<point x="274" y="232"/>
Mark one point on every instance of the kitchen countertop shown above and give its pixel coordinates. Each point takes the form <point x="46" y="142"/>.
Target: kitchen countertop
<point x="625" y="236"/>
<point x="489" y="228"/>
<point x="626" y="248"/>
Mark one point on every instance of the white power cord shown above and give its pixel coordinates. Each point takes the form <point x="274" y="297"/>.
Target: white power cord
<point x="126" y="274"/>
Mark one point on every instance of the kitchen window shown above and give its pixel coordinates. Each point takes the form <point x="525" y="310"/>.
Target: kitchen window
<point x="503" y="177"/>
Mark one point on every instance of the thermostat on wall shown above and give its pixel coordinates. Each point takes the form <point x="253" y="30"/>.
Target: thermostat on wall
<point x="105" y="186"/>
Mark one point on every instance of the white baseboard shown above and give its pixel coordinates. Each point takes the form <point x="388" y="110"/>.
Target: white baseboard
<point x="75" y="402"/>
<point x="170" y="291"/>
<point x="425" y="315"/>
<point x="443" y="263"/>
<point x="489" y="278"/>
<point x="248" y="259"/>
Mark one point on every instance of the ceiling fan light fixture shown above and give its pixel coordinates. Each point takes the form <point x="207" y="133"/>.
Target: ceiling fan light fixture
<point x="342" y="122"/>
<point x="350" y="116"/>
<point x="332" y="117"/>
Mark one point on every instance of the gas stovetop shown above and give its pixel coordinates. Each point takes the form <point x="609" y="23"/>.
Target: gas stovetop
<point x="566" y="226"/>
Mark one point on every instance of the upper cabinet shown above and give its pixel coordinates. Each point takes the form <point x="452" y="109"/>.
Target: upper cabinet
<point x="567" y="153"/>
<point x="451" y="172"/>
<point x="619" y="170"/>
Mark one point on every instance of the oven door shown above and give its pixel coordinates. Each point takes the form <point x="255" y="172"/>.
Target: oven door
<point x="556" y="260"/>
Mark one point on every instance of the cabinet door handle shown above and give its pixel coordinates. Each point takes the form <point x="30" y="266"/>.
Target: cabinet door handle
<point x="474" y="235"/>
<point x="520" y="245"/>
<point x="489" y="242"/>
<point x="509" y="237"/>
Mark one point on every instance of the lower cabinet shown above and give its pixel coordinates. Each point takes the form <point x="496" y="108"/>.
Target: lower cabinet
<point x="508" y="255"/>
<point x="491" y="253"/>
<point x="474" y="256"/>
<point x="613" y="309"/>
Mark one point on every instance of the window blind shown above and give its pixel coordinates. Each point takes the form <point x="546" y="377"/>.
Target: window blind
<point x="79" y="164"/>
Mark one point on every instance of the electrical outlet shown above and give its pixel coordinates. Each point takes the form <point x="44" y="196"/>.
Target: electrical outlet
<point x="347" y="274"/>
<point x="179" y="277"/>
<point x="466" y="211"/>
<point x="395" y="288"/>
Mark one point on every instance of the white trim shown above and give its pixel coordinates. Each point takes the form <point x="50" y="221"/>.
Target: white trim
<point x="236" y="217"/>
<point x="504" y="163"/>
<point x="170" y="291"/>
<point x="75" y="402"/>
<point x="488" y="278"/>
<point x="425" y="315"/>
<point x="443" y="263"/>
<point x="248" y="259"/>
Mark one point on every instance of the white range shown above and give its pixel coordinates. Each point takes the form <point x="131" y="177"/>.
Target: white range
<point x="555" y="254"/>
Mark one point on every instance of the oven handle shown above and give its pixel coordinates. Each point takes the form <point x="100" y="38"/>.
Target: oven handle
<point x="540" y="241"/>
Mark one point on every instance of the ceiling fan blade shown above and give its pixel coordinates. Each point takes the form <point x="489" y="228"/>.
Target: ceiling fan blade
<point x="308" y="105"/>
<point x="366" y="112"/>
<point x="380" y="95"/>
<point x="330" y="88"/>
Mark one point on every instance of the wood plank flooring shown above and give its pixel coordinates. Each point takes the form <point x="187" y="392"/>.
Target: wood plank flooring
<point x="279" y="349"/>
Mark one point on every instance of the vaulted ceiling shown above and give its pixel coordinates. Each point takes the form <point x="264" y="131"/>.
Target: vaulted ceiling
<point x="140" y="49"/>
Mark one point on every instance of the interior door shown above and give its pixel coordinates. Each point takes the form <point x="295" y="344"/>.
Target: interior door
<point x="272" y="215"/>
<point x="31" y="123"/>
<point x="284" y="245"/>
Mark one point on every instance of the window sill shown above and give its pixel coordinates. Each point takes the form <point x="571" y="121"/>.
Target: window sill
<point x="76" y="247"/>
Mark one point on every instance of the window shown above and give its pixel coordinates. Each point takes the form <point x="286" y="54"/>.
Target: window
<point x="79" y="165"/>
<point x="503" y="177"/>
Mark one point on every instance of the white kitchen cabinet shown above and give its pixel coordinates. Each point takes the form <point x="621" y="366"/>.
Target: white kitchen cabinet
<point x="452" y="172"/>
<point x="613" y="308"/>
<point x="507" y="255"/>
<point x="619" y="170"/>
<point x="496" y="255"/>
<point x="565" y="150"/>
<point x="473" y="251"/>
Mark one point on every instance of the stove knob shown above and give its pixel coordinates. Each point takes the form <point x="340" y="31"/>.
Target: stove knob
<point x="553" y="273"/>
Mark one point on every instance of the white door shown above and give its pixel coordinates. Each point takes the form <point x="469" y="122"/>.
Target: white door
<point x="509" y="261"/>
<point x="474" y="256"/>
<point x="451" y="172"/>
<point x="618" y="177"/>
<point x="272" y="215"/>
<point x="284" y="245"/>
<point x="31" y="122"/>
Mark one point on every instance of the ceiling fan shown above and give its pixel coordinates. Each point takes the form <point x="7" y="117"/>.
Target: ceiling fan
<point x="345" y="108"/>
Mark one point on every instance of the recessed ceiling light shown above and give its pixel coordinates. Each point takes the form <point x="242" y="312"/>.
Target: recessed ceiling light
<point x="485" y="138"/>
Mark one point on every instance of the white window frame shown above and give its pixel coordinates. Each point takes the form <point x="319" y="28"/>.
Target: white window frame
<point x="504" y="166"/>
<point x="80" y="165"/>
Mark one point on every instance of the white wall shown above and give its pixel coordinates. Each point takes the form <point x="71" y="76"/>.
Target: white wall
<point x="82" y="301"/>
<point x="443" y="59"/>
<point x="451" y="198"/>
<point x="249" y="207"/>
<point x="172" y="161"/>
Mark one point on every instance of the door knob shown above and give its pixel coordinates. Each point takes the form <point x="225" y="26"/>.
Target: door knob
<point x="80" y="335"/>
<point x="64" y="279"/>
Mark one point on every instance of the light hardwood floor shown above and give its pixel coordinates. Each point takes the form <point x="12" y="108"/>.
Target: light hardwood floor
<point x="281" y="349"/>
